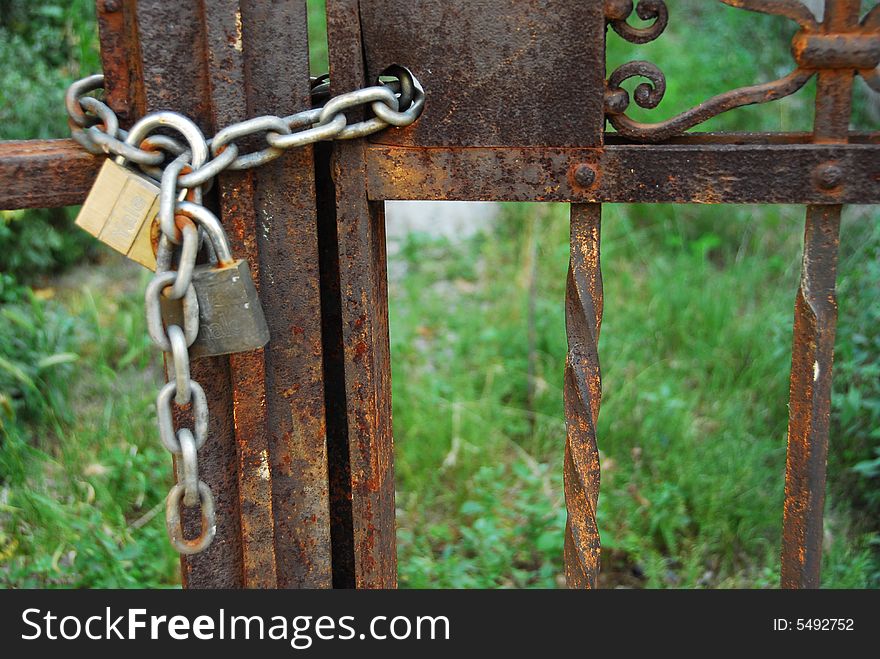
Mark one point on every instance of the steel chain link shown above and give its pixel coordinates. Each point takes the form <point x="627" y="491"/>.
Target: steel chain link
<point x="183" y="221"/>
<point x="95" y="126"/>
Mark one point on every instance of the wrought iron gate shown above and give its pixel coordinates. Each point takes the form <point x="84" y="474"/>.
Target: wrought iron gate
<point x="315" y="404"/>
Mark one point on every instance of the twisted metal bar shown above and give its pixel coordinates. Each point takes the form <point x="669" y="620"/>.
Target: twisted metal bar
<point x="815" y="327"/>
<point x="583" y="390"/>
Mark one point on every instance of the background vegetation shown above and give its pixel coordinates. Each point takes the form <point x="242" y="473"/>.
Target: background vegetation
<point x="695" y="348"/>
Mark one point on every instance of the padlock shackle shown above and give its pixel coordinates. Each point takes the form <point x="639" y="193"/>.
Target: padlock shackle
<point x="186" y="127"/>
<point x="213" y="229"/>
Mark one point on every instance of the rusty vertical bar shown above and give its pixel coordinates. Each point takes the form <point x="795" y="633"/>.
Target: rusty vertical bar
<point x="583" y="392"/>
<point x="223" y="26"/>
<point x="173" y="60"/>
<point x="120" y="59"/>
<point x="584" y="302"/>
<point x="220" y="61"/>
<point x="285" y="229"/>
<point x="258" y="64"/>
<point x="815" y="325"/>
<point x="361" y="449"/>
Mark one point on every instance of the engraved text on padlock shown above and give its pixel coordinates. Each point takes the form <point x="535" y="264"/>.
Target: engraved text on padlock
<point x="120" y="211"/>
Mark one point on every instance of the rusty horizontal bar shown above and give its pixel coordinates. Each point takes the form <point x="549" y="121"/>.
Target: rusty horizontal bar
<point x="709" y="168"/>
<point x="746" y="138"/>
<point x="837" y="51"/>
<point x="45" y="173"/>
<point x="700" y="172"/>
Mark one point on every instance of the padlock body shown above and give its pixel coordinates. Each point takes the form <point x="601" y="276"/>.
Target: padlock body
<point x="231" y="317"/>
<point x="120" y="211"/>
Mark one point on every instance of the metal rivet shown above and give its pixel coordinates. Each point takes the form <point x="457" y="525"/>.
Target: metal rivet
<point x="112" y="6"/>
<point x="828" y="176"/>
<point x="585" y="175"/>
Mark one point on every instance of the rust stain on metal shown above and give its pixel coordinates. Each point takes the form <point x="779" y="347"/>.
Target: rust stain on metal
<point x="270" y="214"/>
<point x="501" y="85"/>
<point x="583" y="394"/>
<point x="361" y="448"/>
<point x="837" y="51"/>
<point x="696" y="169"/>
<point x="254" y="473"/>
<point x="117" y="30"/>
<point x="31" y="171"/>
<point x="815" y="325"/>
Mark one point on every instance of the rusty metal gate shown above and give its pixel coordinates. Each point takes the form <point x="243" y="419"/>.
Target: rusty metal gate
<point x="315" y="404"/>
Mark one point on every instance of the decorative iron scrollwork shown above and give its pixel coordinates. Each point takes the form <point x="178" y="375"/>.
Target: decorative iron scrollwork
<point x="618" y="11"/>
<point x="813" y="50"/>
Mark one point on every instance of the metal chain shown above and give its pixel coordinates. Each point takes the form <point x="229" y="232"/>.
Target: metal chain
<point x="95" y="126"/>
<point x="183" y="443"/>
<point x="175" y="265"/>
<point x="183" y="221"/>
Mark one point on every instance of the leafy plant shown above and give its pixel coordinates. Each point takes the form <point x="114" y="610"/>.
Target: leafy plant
<point x="43" y="48"/>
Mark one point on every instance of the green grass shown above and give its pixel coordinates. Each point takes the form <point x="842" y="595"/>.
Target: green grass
<point x="83" y="477"/>
<point x="695" y="351"/>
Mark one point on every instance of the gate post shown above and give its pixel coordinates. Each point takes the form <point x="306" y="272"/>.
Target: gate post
<point x="361" y="450"/>
<point x="815" y="325"/>
<point x="220" y="61"/>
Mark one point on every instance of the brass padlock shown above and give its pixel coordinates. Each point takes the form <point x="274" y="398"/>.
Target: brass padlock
<point x="231" y="317"/>
<point x="122" y="205"/>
